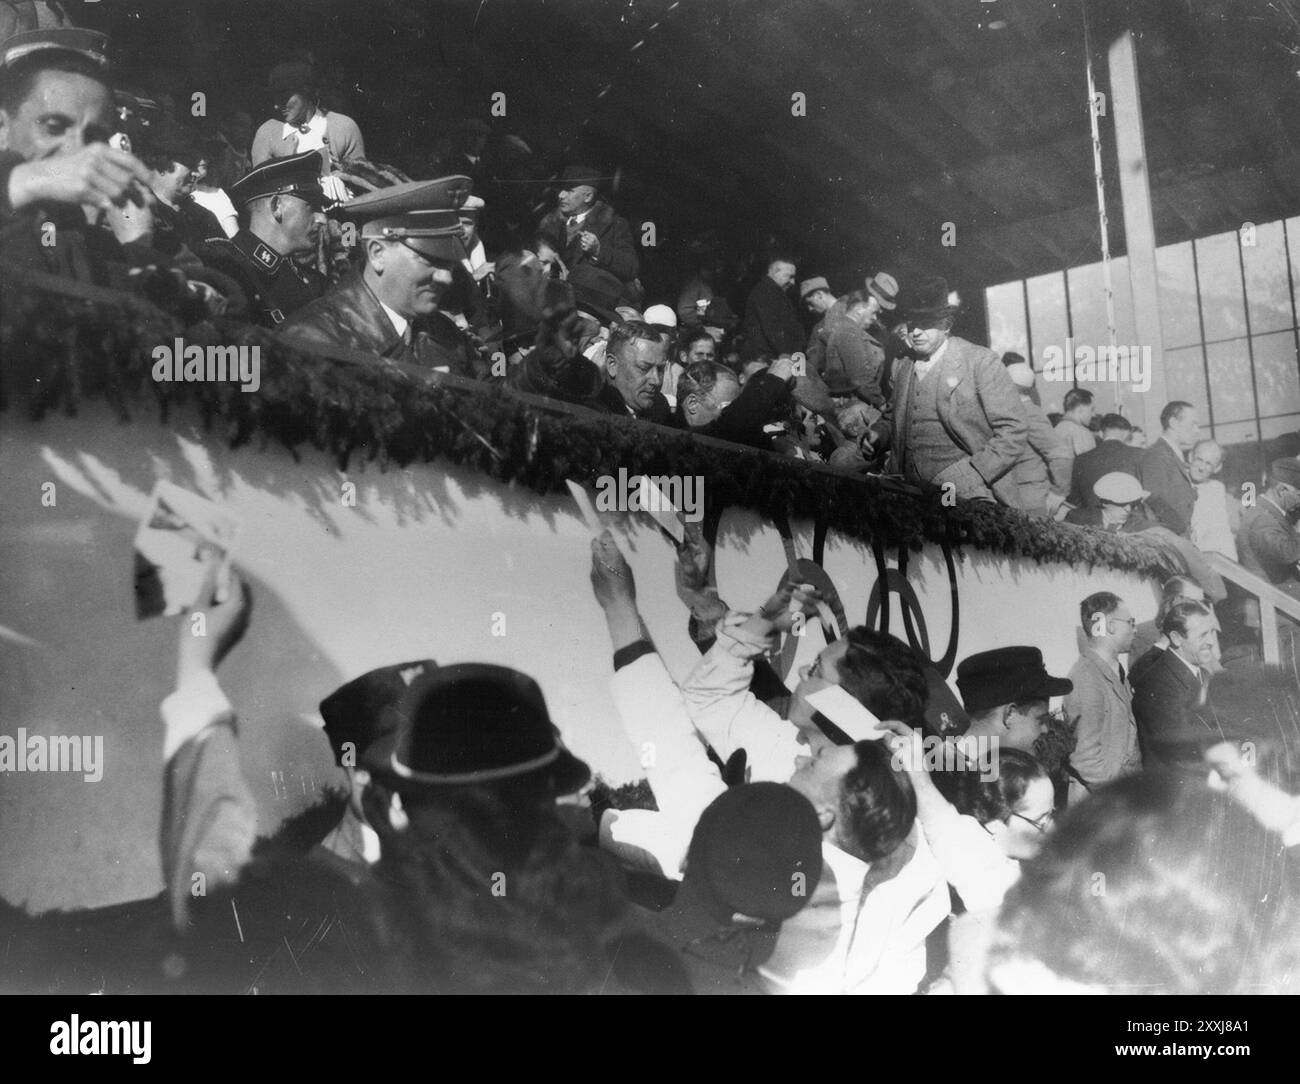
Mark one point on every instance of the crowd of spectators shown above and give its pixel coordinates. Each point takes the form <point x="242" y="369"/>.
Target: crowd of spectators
<point x="470" y="850"/>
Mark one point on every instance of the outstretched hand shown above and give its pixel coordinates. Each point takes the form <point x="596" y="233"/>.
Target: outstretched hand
<point x="223" y="626"/>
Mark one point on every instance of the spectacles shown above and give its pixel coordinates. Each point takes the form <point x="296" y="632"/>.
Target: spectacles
<point x="1131" y="622"/>
<point x="1043" y="823"/>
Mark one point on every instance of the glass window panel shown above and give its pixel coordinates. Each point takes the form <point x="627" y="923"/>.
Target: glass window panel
<point x="1233" y="399"/>
<point x="1268" y="289"/>
<point x="1088" y="306"/>
<point x="1293" y="243"/>
<point x="1235" y="433"/>
<point x="1275" y="427"/>
<point x="1218" y="268"/>
<point x="1277" y="380"/>
<point x="1047" y="321"/>
<point x="1185" y="377"/>
<point x="1008" y="325"/>
<point x="1177" y="282"/>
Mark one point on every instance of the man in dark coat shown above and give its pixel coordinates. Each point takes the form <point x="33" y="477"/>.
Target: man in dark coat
<point x="1267" y="543"/>
<point x="1169" y="686"/>
<point x="712" y="403"/>
<point x="771" y="325"/>
<point x="1113" y="454"/>
<point x="592" y="240"/>
<point x="284" y="201"/>
<point x="411" y="238"/>
<point x="1164" y="467"/>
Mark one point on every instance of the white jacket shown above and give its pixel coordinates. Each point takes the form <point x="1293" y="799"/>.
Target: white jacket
<point x="841" y="942"/>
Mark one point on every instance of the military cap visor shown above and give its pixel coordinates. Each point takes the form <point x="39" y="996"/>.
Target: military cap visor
<point x="424" y="215"/>
<point x="297" y="175"/>
<point x="69" y="39"/>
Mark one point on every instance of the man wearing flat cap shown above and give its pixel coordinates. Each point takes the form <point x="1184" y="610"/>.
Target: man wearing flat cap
<point x="1267" y="543"/>
<point x="410" y="242"/>
<point x="284" y="201"/>
<point x="1006" y="692"/>
<point x="593" y="241"/>
<point x="955" y="419"/>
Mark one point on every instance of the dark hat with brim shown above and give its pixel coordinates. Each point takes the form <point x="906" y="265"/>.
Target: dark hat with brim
<point x="757" y="851"/>
<point x="719" y="314"/>
<point x="90" y="44"/>
<point x="364" y="716"/>
<point x="422" y="214"/>
<point x="579" y="175"/>
<point x="1285" y="470"/>
<point x="925" y="298"/>
<point x="596" y="291"/>
<point x="297" y="175"/>
<point x="1007" y="675"/>
<point x="293" y="75"/>
<point x="477" y="724"/>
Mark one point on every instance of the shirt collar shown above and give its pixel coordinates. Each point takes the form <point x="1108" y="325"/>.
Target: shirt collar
<point x="1191" y="666"/>
<point x="400" y="322"/>
<point x="579" y="219"/>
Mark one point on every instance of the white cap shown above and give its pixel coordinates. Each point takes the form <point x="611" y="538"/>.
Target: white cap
<point x="661" y="315"/>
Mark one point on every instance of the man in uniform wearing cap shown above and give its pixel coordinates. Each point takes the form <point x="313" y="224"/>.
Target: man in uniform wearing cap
<point x="56" y="116"/>
<point x="1267" y="542"/>
<point x="956" y="420"/>
<point x="1006" y="692"/>
<point x="411" y="242"/>
<point x="594" y="242"/>
<point x="283" y="199"/>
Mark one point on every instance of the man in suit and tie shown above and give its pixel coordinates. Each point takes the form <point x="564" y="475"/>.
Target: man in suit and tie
<point x="410" y="237"/>
<point x="955" y="419"/>
<point x="1164" y="467"/>
<point x="1170" y="688"/>
<point x="1112" y="453"/>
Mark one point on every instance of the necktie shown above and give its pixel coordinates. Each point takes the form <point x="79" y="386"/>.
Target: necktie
<point x="573" y="225"/>
<point x="1205" y="687"/>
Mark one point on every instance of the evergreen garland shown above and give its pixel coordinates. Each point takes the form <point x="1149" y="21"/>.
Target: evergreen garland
<point x="62" y="342"/>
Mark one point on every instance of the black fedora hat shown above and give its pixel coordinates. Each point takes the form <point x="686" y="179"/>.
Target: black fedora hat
<point x="476" y="723"/>
<point x="925" y="297"/>
<point x="578" y="175"/>
<point x="363" y="716"/>
<point x="1007" y="675"/>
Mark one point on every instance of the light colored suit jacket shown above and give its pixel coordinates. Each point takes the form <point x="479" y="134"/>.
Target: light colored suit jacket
<point x="981" y="411"/>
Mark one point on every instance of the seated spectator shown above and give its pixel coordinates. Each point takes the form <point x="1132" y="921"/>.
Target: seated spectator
<point x="693" y="348"/>
<point x="210" y="188"/>
<point x="1169" y="689"/>
<point x="719" y="321"/>
<point x="880" y="894"/>
<point x="628" y="383"/>
<point x="595" y="243"/>
<point x="1148" y="885"/>
<point x="1119" y="508"/>
<point x="1100" y="705"/>
<point x="284" y="201"/>
<point x="1112" y="453"/>
<point x="712" y="403"/>
<point x="1075" y="426"/>
<point x="56" y="116"/>
<point x="172" y="155"/>
<point x="304" y="124"/>
<point x="1215" y="515"/>
<point x="1006" y="693"/>
<point x="410" y="241"/>
<point x="1164" y="467"/>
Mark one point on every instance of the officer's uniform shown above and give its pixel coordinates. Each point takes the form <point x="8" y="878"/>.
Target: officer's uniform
<point x="275" y="285"/>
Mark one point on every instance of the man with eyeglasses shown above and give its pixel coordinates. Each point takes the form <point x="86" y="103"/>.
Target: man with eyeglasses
<point x="1100" y="702"/>
<point x="955" y="419"/>
<point x="411" y="241"/>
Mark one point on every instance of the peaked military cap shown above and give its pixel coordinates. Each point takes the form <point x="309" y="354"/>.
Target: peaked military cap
<point x="69" y="39"/>
<point x="298" y="175"/>
<point x="422" y="214"/>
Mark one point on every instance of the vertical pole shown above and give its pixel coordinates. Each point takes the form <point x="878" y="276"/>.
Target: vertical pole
<point x="1139" y="223"/>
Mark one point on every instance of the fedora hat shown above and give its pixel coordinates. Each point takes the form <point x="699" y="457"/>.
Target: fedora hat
<point x="925" y="298"/>
<point x="884" y="288"/>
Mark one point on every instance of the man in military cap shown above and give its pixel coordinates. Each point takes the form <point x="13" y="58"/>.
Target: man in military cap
<point x="284" y="201"/>
<point x="411" y="242"/>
